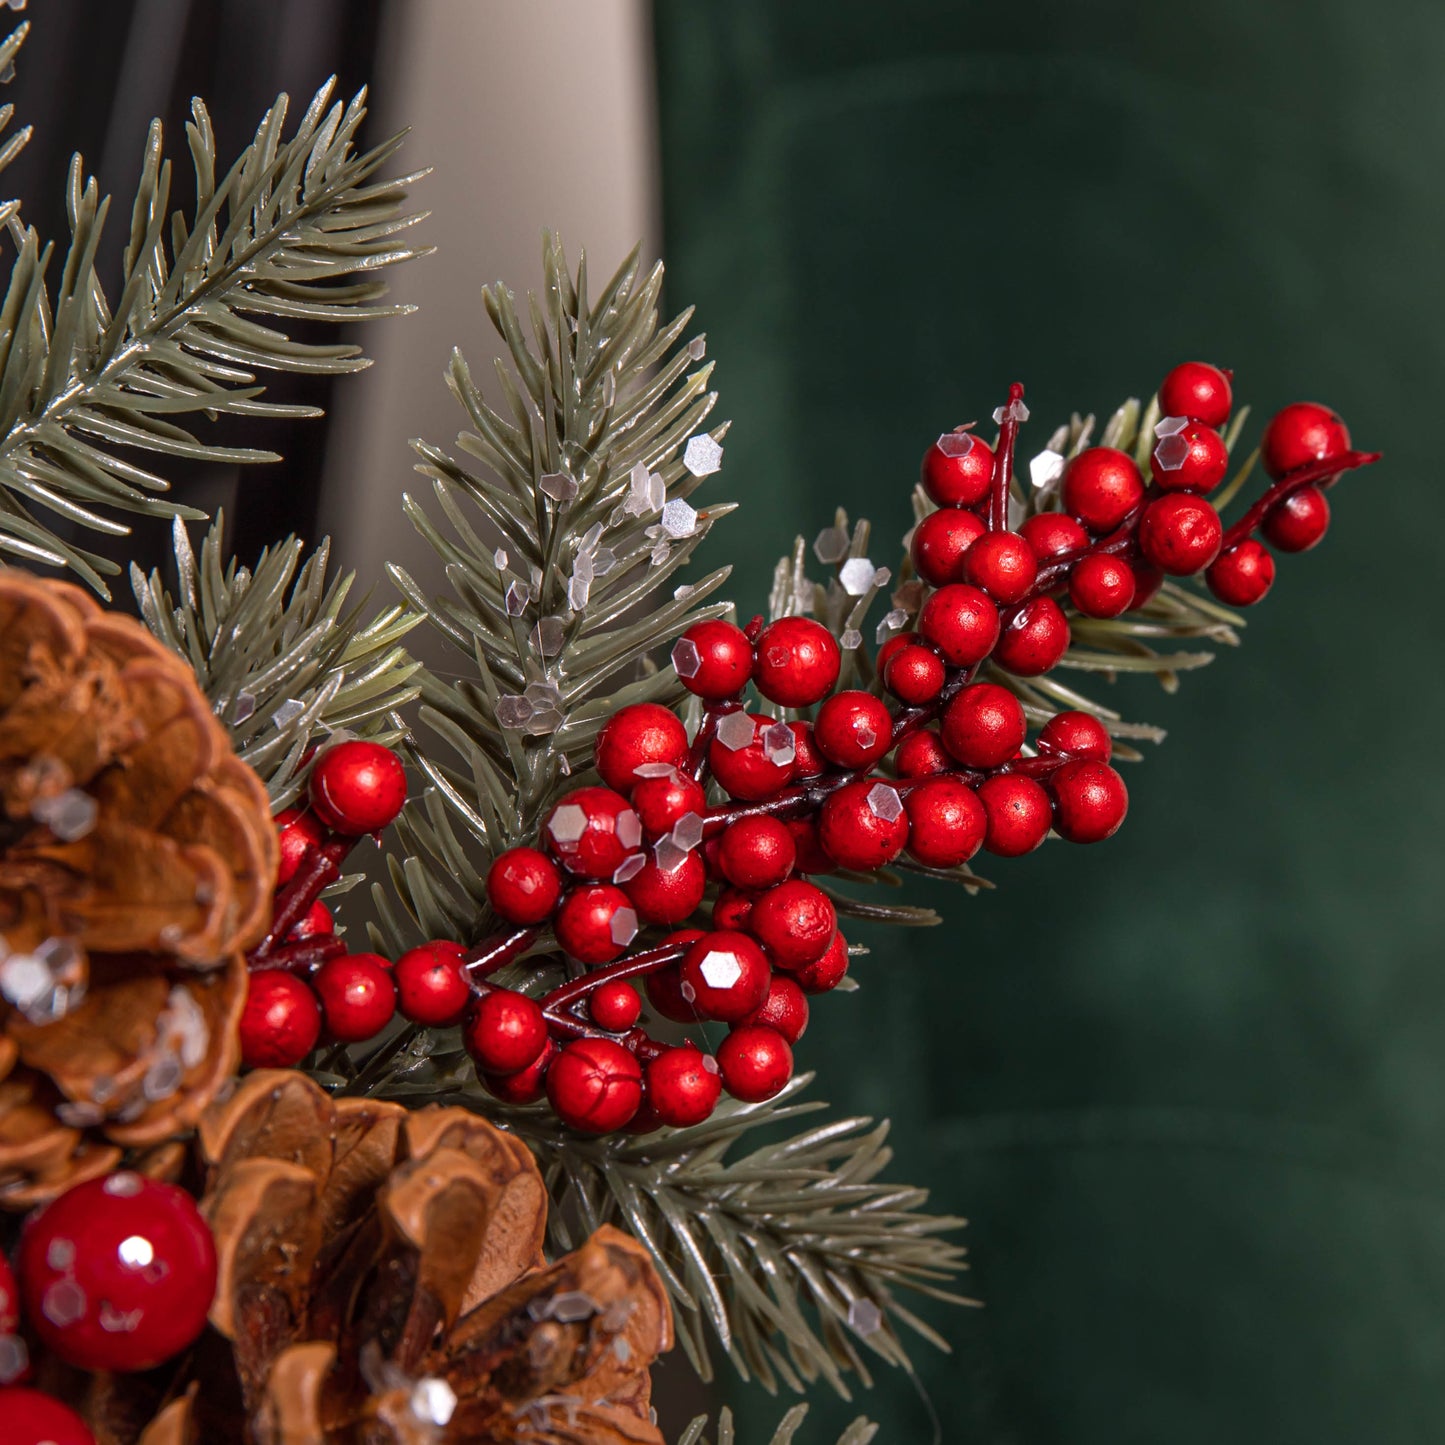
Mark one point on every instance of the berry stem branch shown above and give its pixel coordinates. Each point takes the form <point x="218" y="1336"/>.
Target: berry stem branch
<point x="1003" y="464"/>
<point x="1324" y="474"/>
<point x="319" y="869"/>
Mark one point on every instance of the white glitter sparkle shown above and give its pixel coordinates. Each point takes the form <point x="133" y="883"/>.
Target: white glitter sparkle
<point x="567" y="824"/>
<point x="720" y="969"/>
<point x="1172" y="453"/>
<point x="956" y="443"/>
<point x="857" y="575"/>
<point x="685" y="657"/>
<point x="433" y="1401"/>
<point x="1170" y="426"/>
<point x="679" y="519"/>
<point x="736" y="731"/>
<point x="1047" y="467"/>
<point x="702" y="455"/>
<point x="884" y="802"/>
<point x="623" y="927"/>
<point x="864" y="1317"/>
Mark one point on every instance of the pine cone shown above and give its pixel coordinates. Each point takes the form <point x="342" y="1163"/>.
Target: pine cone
<point x="137" y="858"/>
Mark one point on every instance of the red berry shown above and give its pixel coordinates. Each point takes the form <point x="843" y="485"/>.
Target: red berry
<point x="431" y="985"/>
<point x="757" y="852"/>
<point x="615" y="1005"/>
<point x="1101" y="586"/>
<point x="1298" y="522"/>
<point x="961" y="622"/>
<point x="713" y="659"/>
<point x="596" y="923"/>
<point x="683" y="1086"/>
<point x="853" y="729"/>
<point x="527" y="1085"/>
<point x="1148" y="579"/>
<point x="9" y="1312"/>
<point x="984" y="726"/>
<point x="894" y="645"/>
<point x="523" y="885"/>
<point x="784" y="1009"/>
<point x="1101" y="487"/>
<point x="664" y="985"/>
<point x="1192" y="459"/>
<point x="755" y="1062"/>
<point x="505" y="1031"/>
<point x="809" y="762"/>
<point x="946" y="822"/>
<point x="1001" y="564"/>
<point x="863" y="825"/>
<point x="118" y="1248"/>
<point x="1090" y="801"/>
<point x="1197" y="390"/>
<point x="1035" y="639"/>
<point x="297" y="833"/>
<point x="732" y="908"/>
<point x="1301" y="433"/>
<point x="795" y="922"/>
<point x="920" y="754"/>
<point x="1019" y="814"/>
<point x="1076" y="735"/>
<point x="668" y="894"/>
<point x="827" y="972"/>
<point x="280" y="1023"/>
<point x="591" y="830"/>
<point x="752" y="757"/>
<point x="32" y="1418"/>
<point x="1242" y="575"/>
<point x="811" y="856"/>
<point x="958" y="469"/>
<point x="915" y="674"/>
<point x="1052" y="534"/>
<point x="726" y="975"/>
<point x="797" y="662"/>
<point x="1180" y="534"/>
<point x="357" y="997"/>
<point x="662" y="800"/>
<point x="316" y="922"/>
<point x="636" y="736"/>
<point x="939" y="542"/>
<point x="595" y="1085"/>
<point x="357" y="787"/>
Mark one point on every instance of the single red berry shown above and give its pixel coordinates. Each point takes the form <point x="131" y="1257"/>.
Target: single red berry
<point x="117" y="1273"/>
<point x="661" y="800"/>
<point x="1301" y="433"/>
<point x="1101" y="586"/>
<point x="1197" y="390"/>
<point x="1101" y="487"/>
<point x="827" y="972"/>
<point x="683" y="1085"/>
<point x="1052" y="534"/>
<point x="939" y="542"/>
<point x="946" y="822"/>
<point x="33" y="1418"/>
<point x="915" y="674"/>
<point x="523" y="886"/>
<point x="316" y="922"/>
<point x="726" y="975"/>
<point x="894" y="645"/>
<point x="751" y="756"/>
<point x="357" y="787"/>
<point x="1242" y="575"/>
<point x="595" y="1085"/>
<point x="280" y="1023"/>
<point x="615" y="1005"/>
<point x="812" y="857"/>
<point x="1298" y="522"/>
<point x="785" y="1008"/>
<point x="984" y="725"/>
<point x="795" y="922"/>
<point x="9" y="1311"/>
<point x="596" y="922"/>
<point x="431" y="986"/>
<point x="1090" y="801"/>
<point x="668" y="887"/>
<point x="713" y="659"/>
<point x="505" y="1031"/>
<point x="1148" y="579"/>
<point x="1034" y="640"/>
<point x="853" y="729"/>
<point x="755" y="1062"/>
<point x="808" y="762"/>
<point x="1180" y="533"/>
<point x="664" y="985"/>
<point x="863" y="825"/>
<point x="757" y="852"/>
<point x="1019" y="814"/>
<point x="958" y="469"/>
<point x="1076" y="735"/>
<point x="732" y="908"/>
<point x="591" y="830"/>
<point x="1192" y="459"/>
<point x="646" y="733"/>
<point x="797" y="662"/>
<point x="527" y="1085"/>
<point x="357" y="997"/>
<point x="920" y="754"/>
<point x="297" y="833"/>
<point x="1001" y="564"/>
<point x="961" y="622"/>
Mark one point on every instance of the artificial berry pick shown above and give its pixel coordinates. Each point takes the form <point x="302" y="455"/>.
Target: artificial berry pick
<point x="357" y="787"/>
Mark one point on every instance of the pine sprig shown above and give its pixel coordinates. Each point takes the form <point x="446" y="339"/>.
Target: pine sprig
<point x="860" y="1432"/>
<point x="295" y="231"/>
<point x="11" y="146"/>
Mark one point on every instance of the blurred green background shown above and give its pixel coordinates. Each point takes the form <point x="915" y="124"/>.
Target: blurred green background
<point x="1188" y="1086"/>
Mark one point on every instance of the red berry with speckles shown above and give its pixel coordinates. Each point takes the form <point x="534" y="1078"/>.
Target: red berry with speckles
<point x="915" y="674"/>
<point x="1101" y="487"/>
<point x="669" y="890"/>
<point x="808" y="761"/>
<point x="811" y="856"/>
<point x="893" y="646"/>
<point x="636" y="736"/>
<point x="1193" y="459"/>
<point x="297" y="833"/>
<point x="961" y="622"/>
<point x="946" y="822"/>
<point x="827" y="972"/>
<point x="1242" y="575"/>
<point x="797" y="662"/>
<point x="713" y="659"/>
<point x="661" y="801"/>
<point x="357" y="997"/>
<point x="1180" y="534"/>
<point x="1102" y="586"/>
<point x="431" y="985"/>
<point x="725" y="976"/>
<point x="591" y="830"/>
<point x="863" y="825"/>
<point x="1298" y="522"/>
<point x="984" y="726"/>
<point x="683" y="1086"/>
<point x="1197" y="390"/>
<point x="1076" y="735"/>
<point x="753" y="757"/>
<point x="316" y="922"/>
<point x="757" y="852"/>
<point x="595" y="923"/>
<point x="527" y="1085"/>
<point x="939" y="542"/>
<point x="1018" y="813"/>
<point x="595" y="1086"/>
<point x="755" y="1062"/>
<point x="615" y="1005"/>
<point x="795" y="922"/>
<point x="1034" y="640"/>
<point x="33" y="1418"/>
<point x="853" y="729"/>
<point x="125" y="1248"/>
<point x="1001" y="564"/>
<point x="505" y="1031"/>
<point x="732" y="908"/>
<point x="1302" y="433"/>
<point x="280" y="1023"/>
<point x="784" y="1009"/>
<point x="523" y="886"/>
<point x="1090" y="801"/>
<point x="1052" y="534"/>
<point x="921" y="754"/>
<point x="958" y="469"/>
<point x="357" y="787"/>
<point x="664" y="985"/>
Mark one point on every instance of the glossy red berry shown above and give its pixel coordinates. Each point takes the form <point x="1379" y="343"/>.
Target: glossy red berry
<point x="1191" y="459"/>
<point x="893" y="646"/>
<point x="591" y="830"/>
<point x="920" y="754"/>
<point x="753" y="757"/>
<point x="724" y="976"/>
<point x="811" y="856"/>
<point x="1242" y="575"/>
<point x="661" y="800"/>
<point x="33" y="1418"/>
<point x="1180" y="533"/>
<point x="939" y="542"/>
<point x="636" y="736"/>
<point x="853" y="729"/>
<point x="1076" y="735"/>
<point x="961" y="622"/>
<point x="757" y="852"/>
<point x="280" y="1023"/>
<point x="863" y="825"/>
<point x="523" y="886"/>
<point x="1018" y="814"/>
<point x="1101" y="487"/>
<point x="1199" y="391"/>
<point x="1302" y="433"/>
<point x="431" y="985"/>
<point x="595" y="923"/>
<point x="1101" y="586"/>
<point x="808" y="762"/>
<point x="527" y="1085"/>
<point x="958" y="469"/>
<point x="784" y="1009"/>
<point x="615" y="1005"/>
<point x="121" y="1248"/>
<point x="984" y="726"/>
<point x="595" y="1085"/>
<point x="1090" y="801"/>
<point x="797" y="662"/>
<point x="1298" y="522"/>
<point x="713" y="659"/>
<point x="795" y="922"/>
<point x="946" y="822"/>
<point x="358" y="997"/>
<point x="732" y="908"/>
<point x="915" y="674"/>
<point x="683" y="1086"/>
<point x="827" y="972"/>
<point x="357" y="787"/>
<point x="755" y="1062"/>
<point x="669" y="889"/>
<point x="505" y="1031"/>
<point x="1148" y="579"/>
<point x="1052" y="534"/>
<point x="1034" y="640"/>
<point x="316" y="922"/>
<point x="1001" y="564"/>
<point x="297" y="833"/>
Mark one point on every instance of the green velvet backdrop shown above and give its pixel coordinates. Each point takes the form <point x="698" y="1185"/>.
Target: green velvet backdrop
<point x="1189" y="1086"/>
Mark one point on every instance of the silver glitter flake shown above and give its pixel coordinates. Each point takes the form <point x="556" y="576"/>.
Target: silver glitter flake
<point x="433" y="1401"/>
<point x="654" y="770"/>
<point x="645" y="492"/>
<point x="513" y="712"/>
<point x="864" y="1317"/>
<point x="629" y="868"/>
<point x="579" y="591"/>
<point x="686" y="660"/>
<point x="1172" y="453"/>
<point x="884" y="802"/>
<point x="622" y="1350"/>
<point x="702" y="455"/>
<point x="516" y="598"/>
<point x="696" y="348"/>
<point x="624" y="927"/>
<point x="1170" y="426"/>
<point x="1014" y="411"/>
<point x="559" y="486"/>
<point x="736" y="730"/>
<point x="500" y="558"/>
<point x="851" y="639"/>
<point x="892" y="622"/>
<point x="69" y="815"/>
<point x="687" y="831"/>
<point x="288" y="712"/>
<point x="831" y="545"/>
<point x="1045" y="468"/>
<point x="857" y="575"/>
<point x="124" y="1185"/>
<point x="629" y="829"/>
<point x="668" y="855"/>
<point x="244" y="708"/>
<point x="955" y="443"/>
<point x="45" y="983"/>
<point x="14" y="1358"/>
<point x="548" y="636"/>
<point x="679" y="519"/>
<point x="63" y="1303"/>
<point x="720" y="969"/>
<point x="60" y="1254"/>
<point x="572" y="1306"/>
<point x="780" y="744"/>
<point x="567" y="825"/>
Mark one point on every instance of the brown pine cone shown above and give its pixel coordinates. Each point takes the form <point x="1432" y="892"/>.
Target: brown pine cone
<point x="137" y="859"/>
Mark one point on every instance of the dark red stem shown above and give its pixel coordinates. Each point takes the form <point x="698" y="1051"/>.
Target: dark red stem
<point x="1323" y="474"/>
<point x="303" y="957"/>
<point x="319" y="869"/>
<point x="497" y="952"/>
<point x="1003" y="462"/>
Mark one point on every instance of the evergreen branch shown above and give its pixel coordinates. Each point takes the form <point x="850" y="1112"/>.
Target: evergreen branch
<point x="860" y="1432"/>
<point x="13" y="145"/>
